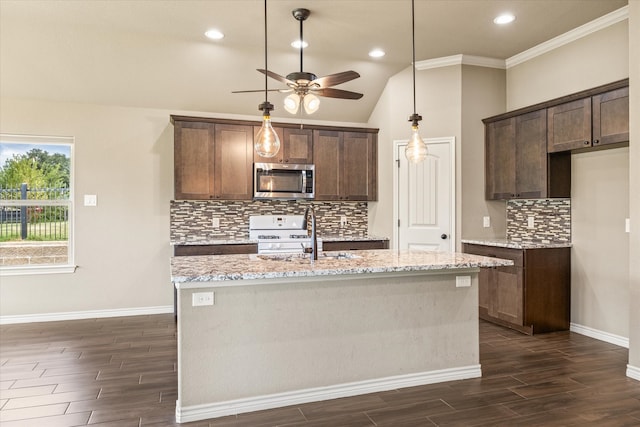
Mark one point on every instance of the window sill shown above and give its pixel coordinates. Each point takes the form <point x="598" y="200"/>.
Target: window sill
<point x="45" y="269"/>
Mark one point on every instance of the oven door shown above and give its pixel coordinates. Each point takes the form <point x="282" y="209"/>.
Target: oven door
<point x="276" y="181"/>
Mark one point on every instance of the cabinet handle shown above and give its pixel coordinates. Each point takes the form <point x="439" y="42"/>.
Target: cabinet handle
<point x="587" y="143"/>
<point x="596" y="142"/>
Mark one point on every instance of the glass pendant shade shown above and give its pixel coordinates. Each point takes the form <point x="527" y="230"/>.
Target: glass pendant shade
<point x="311" y="103"/>
<point x="416" y="150"/>
<point x="292" y="103"/>
<point x="267" y="141"/>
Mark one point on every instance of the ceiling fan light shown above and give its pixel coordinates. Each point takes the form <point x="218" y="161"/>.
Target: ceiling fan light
<point x="311" y="103"/>
<point x="416" y="149"/>
<point x="267" y="141"/>
<point x="292" y="103"/>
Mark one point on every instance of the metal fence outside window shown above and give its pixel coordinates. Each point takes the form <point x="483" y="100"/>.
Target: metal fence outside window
<point x="34" y="213"/>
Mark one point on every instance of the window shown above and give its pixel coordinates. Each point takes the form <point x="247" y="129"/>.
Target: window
<point x="36" y="204"/>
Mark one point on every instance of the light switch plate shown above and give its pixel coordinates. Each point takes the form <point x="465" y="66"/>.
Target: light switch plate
<point x="90" y="200"/>
<point x="627" y="225"/>
<point x="215" y="222"/>
<point x="530" y="222"/>
<point x="486" y="221"/>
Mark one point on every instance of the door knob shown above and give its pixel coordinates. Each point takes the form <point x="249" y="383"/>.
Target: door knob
<point x="443" y="236"/>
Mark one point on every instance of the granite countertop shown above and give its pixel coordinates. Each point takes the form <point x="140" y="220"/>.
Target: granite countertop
<point x="239" y="268"/>
<point x="229" y="241"/>
<point x="514" y="244"/>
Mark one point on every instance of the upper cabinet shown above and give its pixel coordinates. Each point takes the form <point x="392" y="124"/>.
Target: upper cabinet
<point x="212" y="161"/>
<point x="296" y="146"/>
<point x="528" y="151"/>
<point x="594" y="121"/>
<point x="213" y="158"/>
<point x="346" y="165"/>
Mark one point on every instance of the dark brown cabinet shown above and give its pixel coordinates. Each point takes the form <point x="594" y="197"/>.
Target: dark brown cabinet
<point x="516" y="157"/>
<point x="533" y="295"/>
<point x="212" y="161"/>
<point x="594" y="121"/>
<point x="346" y="165"/>
<point x="296" y="146"/>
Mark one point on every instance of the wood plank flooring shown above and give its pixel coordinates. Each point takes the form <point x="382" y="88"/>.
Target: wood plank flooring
<point x="122" y="372"/>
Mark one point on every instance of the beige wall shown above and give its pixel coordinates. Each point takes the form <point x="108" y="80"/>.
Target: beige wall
<point x="452" y="101"/>
<point x="597" y="59"/>
<point x="634" y="186"/>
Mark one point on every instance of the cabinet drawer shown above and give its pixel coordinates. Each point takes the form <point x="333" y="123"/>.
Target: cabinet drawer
<point x="515" y="255"/>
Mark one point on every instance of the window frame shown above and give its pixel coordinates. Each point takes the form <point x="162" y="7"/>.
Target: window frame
<point x="69" y="266"/>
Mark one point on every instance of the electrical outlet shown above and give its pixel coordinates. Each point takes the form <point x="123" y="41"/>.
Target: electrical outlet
<point x="202" y="298"/>
<point x="486" y="221"/>
<point x="530" y="222"/>
<point x="215" y="222"/>
<point x="90" y="200"/>
<point x="463" y="281"/>
<point x="627" y="225"/>
<point x="343" y="221"/>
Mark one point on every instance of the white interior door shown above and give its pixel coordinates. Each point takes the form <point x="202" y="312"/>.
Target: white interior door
<point x="425" y="196"/>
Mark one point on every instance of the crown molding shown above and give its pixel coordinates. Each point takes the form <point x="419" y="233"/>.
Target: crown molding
<point x="570" y="36"/>
<point x="446" y="61"/>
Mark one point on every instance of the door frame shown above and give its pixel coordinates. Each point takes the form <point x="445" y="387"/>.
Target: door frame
<point x="451" y="140"/>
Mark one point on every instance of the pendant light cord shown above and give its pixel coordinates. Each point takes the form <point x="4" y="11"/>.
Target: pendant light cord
<point x="301" y="47"/>
<point x="413" y="59"/>
<point x="266" y="80"/>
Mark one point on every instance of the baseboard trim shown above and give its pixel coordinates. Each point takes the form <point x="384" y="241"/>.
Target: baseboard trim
<point x="258" y="403"/>
<point x="89" y="314"/>
<point x="633" y="372"/>
<point x="599" y="335"/>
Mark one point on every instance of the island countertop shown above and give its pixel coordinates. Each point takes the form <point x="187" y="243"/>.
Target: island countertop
<point x="515" y="244"/>
<point x="235" y="270"/>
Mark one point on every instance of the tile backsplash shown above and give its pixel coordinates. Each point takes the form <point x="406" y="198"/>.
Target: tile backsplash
<point x="551" y="220"/>
<point x="191" y="220"/>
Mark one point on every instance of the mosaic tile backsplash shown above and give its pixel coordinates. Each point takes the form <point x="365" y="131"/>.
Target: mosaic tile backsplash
<point x="551" y="220"/>
<point x="191" y="220"/>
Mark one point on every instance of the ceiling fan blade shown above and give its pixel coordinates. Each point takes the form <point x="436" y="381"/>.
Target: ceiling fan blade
<point x="336" y="93"/>
<point x="336" y="79"/>
<point x="259" y="90"/>
<point x="276" y="76"/>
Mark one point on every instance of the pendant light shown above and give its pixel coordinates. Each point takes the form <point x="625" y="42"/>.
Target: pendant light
<point x="416" y="150"/>
<point x="267" y="141"/>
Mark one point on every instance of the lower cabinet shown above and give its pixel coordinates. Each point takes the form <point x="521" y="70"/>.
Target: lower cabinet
<point x="533" y="295"/>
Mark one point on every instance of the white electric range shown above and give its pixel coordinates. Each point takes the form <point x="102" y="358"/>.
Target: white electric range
<point x="280" y="233"/>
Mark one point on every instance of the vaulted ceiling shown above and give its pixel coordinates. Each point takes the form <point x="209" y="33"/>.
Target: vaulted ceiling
<point x="144" y="53"/>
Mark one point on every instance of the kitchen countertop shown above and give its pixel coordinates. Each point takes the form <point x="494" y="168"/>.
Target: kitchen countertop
<point x="242" y="269"/>
<point x="513" y="244"/>
<point x="247" y="241"/>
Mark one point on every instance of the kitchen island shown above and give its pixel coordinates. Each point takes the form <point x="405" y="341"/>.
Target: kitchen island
<point x="284" y="331"/>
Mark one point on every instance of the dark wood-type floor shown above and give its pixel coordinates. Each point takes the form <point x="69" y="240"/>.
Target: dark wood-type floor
<point x="122" y="372"/>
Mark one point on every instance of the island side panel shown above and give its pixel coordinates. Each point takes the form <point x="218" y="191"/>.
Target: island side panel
<point x="296" y="335"/>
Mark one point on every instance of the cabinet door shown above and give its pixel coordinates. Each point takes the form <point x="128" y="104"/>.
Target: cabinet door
<point x="298" y="146"/>
<point x="233" y="162"/>
<point x="569" y="126"/>
<point x="358" y="166"/>
<point x="508" y="302"/>
<point x="193" y="161"/>
<point x="500" y="163"/>
<point x="327" y="156"/>
<point x="531" y="155"/>
<point x="611" y="117"/>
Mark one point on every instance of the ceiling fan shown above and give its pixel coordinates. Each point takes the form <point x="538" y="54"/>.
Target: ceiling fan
<point x="305" y="85"/>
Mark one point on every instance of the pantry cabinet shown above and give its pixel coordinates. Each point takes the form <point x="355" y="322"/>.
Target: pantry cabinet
<point x="533" y="295"/>
<point x="346" y="165"/>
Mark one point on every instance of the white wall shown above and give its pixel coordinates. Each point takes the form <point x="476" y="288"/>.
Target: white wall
<point x="634" y="188"/>
<point x="599" y="300"/>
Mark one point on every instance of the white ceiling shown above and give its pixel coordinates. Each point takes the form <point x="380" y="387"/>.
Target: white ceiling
<point x="152" y="53"/>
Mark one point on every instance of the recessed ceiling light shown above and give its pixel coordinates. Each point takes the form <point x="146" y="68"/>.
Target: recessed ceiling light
<point x="377" y="53"/>
<point x="505" y="18"/>
<point x="297" y="43"/>
<point x="214" y="34"/>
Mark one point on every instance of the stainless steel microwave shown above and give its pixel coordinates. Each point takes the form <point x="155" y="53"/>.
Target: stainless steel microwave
<point x="283" y="181"/>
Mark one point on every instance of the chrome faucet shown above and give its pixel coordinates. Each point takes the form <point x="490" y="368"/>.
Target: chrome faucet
<point x="314" y="237"/>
